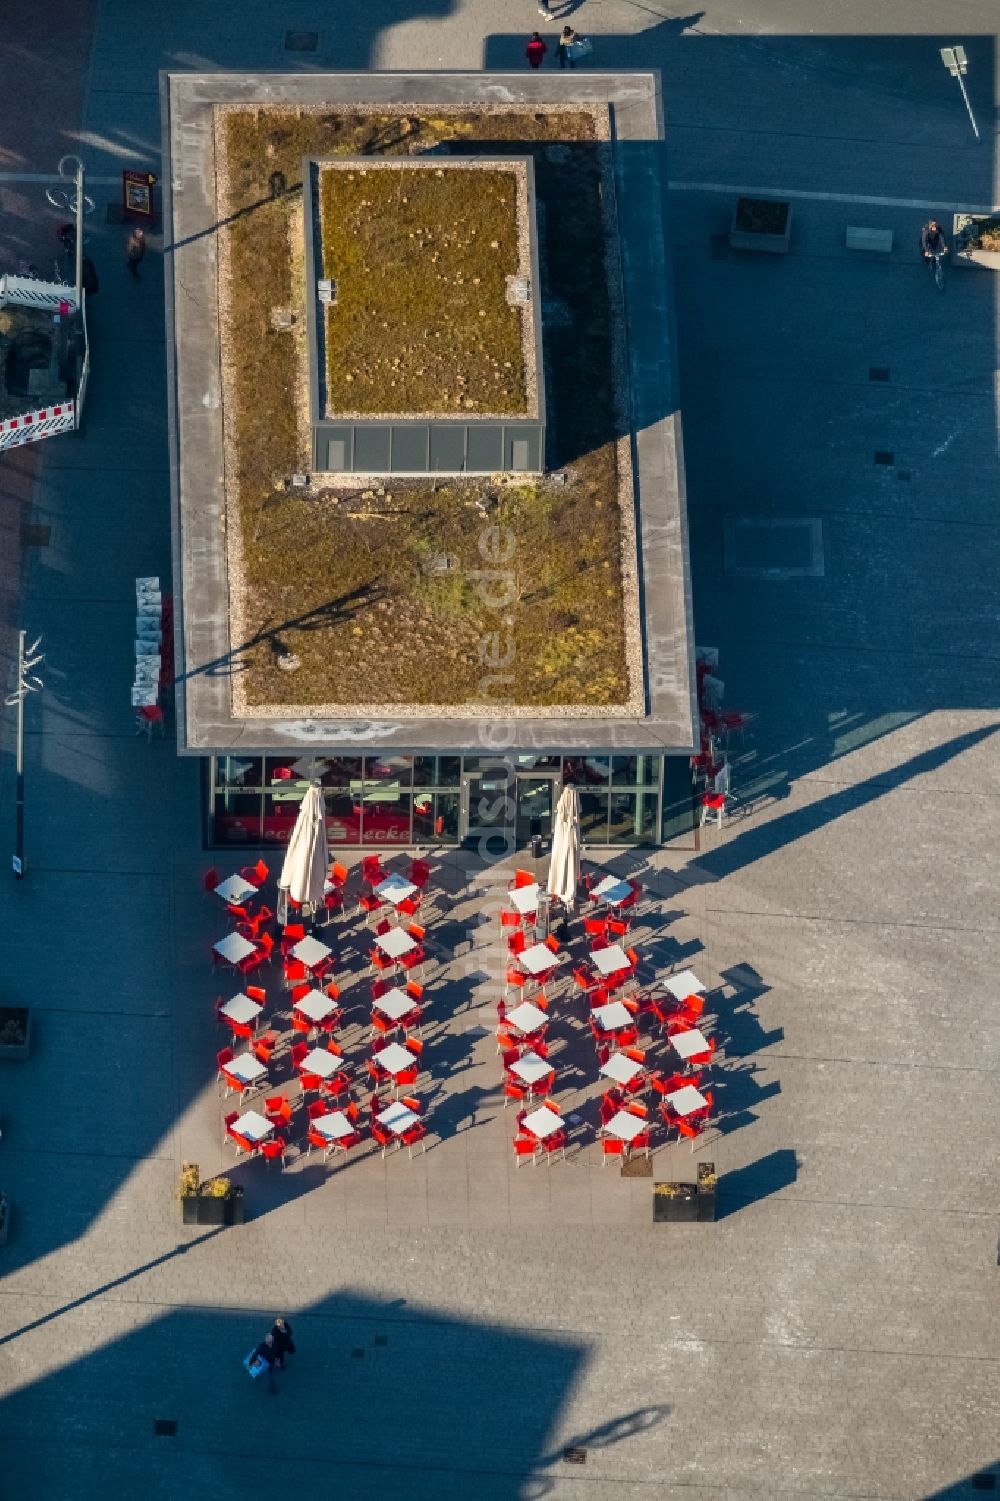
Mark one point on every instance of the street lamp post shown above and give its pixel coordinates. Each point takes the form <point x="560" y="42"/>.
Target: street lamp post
<point x="955" y="61"/>
<point x="27" y="682"/>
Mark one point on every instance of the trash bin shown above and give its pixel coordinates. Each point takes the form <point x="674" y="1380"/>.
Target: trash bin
<point x="535" y="845"/>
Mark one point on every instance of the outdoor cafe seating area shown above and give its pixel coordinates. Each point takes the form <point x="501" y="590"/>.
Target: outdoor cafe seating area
<point x="651" y="1054"/>
<point x="287" y="1077"/>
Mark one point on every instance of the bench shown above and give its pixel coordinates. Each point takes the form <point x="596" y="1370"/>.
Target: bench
<point x="860" y="238"/>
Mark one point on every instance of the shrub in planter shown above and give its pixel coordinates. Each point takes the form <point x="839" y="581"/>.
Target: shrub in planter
<point x="15" y="1031"/>
<point x="705" y="1195"/>
<point x="674" y="1202"/>
<point x="216" y="1201"/>
<point x="761" y="224"/>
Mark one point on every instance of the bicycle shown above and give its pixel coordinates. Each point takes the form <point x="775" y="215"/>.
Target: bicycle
<point x="937" y="256"/>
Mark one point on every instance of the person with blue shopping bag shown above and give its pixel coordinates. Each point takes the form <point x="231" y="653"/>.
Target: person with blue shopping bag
<point x="263" y="1358"/>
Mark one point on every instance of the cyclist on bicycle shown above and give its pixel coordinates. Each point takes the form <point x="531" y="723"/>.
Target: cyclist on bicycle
<point x="932" y="240"/>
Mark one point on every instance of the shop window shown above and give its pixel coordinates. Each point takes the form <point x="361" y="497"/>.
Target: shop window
<point x="239" y="771"/>
<point x="389" y="769"/>
<point x="635" y="771"/>
<point x="586" y="771"/>
<point x="633" y="817"/>
<point x="236" y="818"/>
<point x="385" y="814"/>
<point x="593" y="817"/>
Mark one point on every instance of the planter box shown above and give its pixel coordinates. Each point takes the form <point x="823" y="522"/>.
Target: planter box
<point x="205" y="1209"/>
<point x="964" y="227"/>
<point x="15" y="1031"/>
<point x="678" y="1207"/>
<point x="4" y="1219"/>
<point x="705" y="1196"/>
<point x="761" y="224"/>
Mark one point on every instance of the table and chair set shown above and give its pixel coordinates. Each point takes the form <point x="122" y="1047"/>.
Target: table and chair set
<point x="300" y="1033"/>
<point x="619" y="1011"/>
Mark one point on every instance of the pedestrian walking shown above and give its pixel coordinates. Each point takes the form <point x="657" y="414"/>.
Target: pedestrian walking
<point x="267" y="1351"/>
<point x="283" y="1342"/>
<point x="535" y="50"/>
<point x="135" y="251"/>
<point x="566" y="44"/>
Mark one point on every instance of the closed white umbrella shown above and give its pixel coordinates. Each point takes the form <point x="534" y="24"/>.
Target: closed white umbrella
<point x="307" y="858"/>
<point x="564" y="864"/>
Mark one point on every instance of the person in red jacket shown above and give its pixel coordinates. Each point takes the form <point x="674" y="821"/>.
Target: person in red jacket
<point x="535" y="50"/>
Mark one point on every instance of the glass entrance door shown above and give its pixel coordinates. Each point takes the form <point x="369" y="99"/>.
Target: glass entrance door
<point x="536" y="799"/>
<point x="488" y="810"/>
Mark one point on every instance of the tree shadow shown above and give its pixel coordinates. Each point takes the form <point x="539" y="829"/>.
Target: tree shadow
<point x="334" y="612"/>
<point x="758" y="1180"/>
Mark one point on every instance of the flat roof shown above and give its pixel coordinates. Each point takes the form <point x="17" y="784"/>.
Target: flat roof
<point x="661" y="713"/>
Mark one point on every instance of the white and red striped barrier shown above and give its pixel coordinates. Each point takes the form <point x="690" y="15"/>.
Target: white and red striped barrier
<point x="29" y="427"/>
<point x="29" y="291"/>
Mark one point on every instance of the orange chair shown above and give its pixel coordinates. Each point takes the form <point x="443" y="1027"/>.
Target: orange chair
<point x="278" y="1110"/>
<point x="415" y="1133"/>
<point x="552" y="944"/>
<point x="338" y="873"/>
<point x="414" y="990"/>
<point x="703" y="1060"/>
<point x="384" y="1138"/>
<point x="512" y="1091"/>
<point x="693" y="1006"/>
<point x="522" y="878"/>
<point x="265" y="1046"/>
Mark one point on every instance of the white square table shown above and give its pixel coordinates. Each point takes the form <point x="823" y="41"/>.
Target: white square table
<point x="321" y="1062"/>
<point x="234" y="889"/>
<point x="687" y="1044"/>
<point x="524" y="899"/>
<point x="536" y="959"/>
<point x="627" y="1126"/>
<point x="334" y="1125"/>
<point x="395" y="889"/>
<point x="394" y="1004"/>
<point x="623" y="1070"/>
<point x="395" y="1059"/>
<point x="310" y="951"/>
<point x="316" y="1006"/>
<point x="686" y="1100"/>
<point x="253" y="1126"/>
<point x="395" y="943"/>
<point x="542" y="1123"/>
<point x="397" y="1118"/>
<point x="526" y="1017"/>
<point x="234" y="947"/>
<point x="684" y="984"/>
<point x="612" y="890"/>
<point x="245" y="1067"/>
<point x="531" y="1068"/>
<point x="613" y="1017"/>
<point x="609" y="961"/>
<point x="241" y="1009"/>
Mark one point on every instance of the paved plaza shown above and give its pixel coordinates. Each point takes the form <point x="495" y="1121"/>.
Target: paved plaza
<point x="460" y="1323"/>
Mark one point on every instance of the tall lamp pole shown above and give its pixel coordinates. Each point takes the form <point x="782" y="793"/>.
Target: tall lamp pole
<point x="956" y="62"/>
<point x="27" y="682"/>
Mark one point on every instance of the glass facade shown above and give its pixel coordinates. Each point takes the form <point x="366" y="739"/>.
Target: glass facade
<point x="382" y="799"/>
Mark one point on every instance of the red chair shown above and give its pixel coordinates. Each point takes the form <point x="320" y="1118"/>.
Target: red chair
<point x="317" y="1139"/>
<point x="371" y="870"/>
<point x="417" y="931"/>
<point x="693" y="1006"/>
<point x="266" y="943"/>
<point x="384" y="1138"/>
<point x="295" y="972"/>
<point x="338" y="874"/>
<point x="333" y="901"/>
<point x="414" y="990"/>
<point x="383" y="927"/>
<point x="256" y="920"/>
<point x="414" y="959"/>
<point x="382" y="1025"/>
<point x="552" y="944"/>
<point x="556" y="1142"/>
<point x="299" y="1051"/>
<point x="274" y="1150"/>
<point x="369" y="905"/>
<point x="255" y="875"/>
<point x="692" y="1129"/>
<point x="291" y="934"/>
<point x="517" y="943"/>
<point x="235" y="910"/>
<point x="612" y="1147"/>
<point x="337" y="1085"/>
<point x="584" y="977"/>
<point x="641" y="1143"/>
<point x="210" y="880"/>
<point x="409" y="906"/>
<point x="525" y="1146"/>
<point x="544" y="1086"/>
<point x="379" y="989"/>
<point x="415" y="1133"/>
<point x="380" y="961"/>
<point x="595" y="927"/>
<point x="512" y="1091"/>
<point x="252" y="961"/>
<point x="618" y="926"/>
<point x="222" y="1058"/>
<point x="420" y="873"/>
<point x="509" y="920"/>
<point x="243" y="1030"/>
<point x="278" y="1110"/>
<point x="228" y="1122"/>
<point x="522" y="878"/>
<point x="282" y="774"/>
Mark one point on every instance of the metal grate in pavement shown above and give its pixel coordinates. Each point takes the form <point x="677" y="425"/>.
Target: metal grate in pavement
<point x="301" y="41"/>
<point x="883" y="456"/>
<point x="165" y="1427"/>
<point x="878" y="372"/>
<point x="575" y="1456"/>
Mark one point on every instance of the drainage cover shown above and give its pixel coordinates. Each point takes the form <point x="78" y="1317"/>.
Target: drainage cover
<point x="381" y="1340"/>
<point x="882" y="456"/>
<point x="878" y="372"/>
<point x="165" y="1427"/>
<point x="575" y="1456"/>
